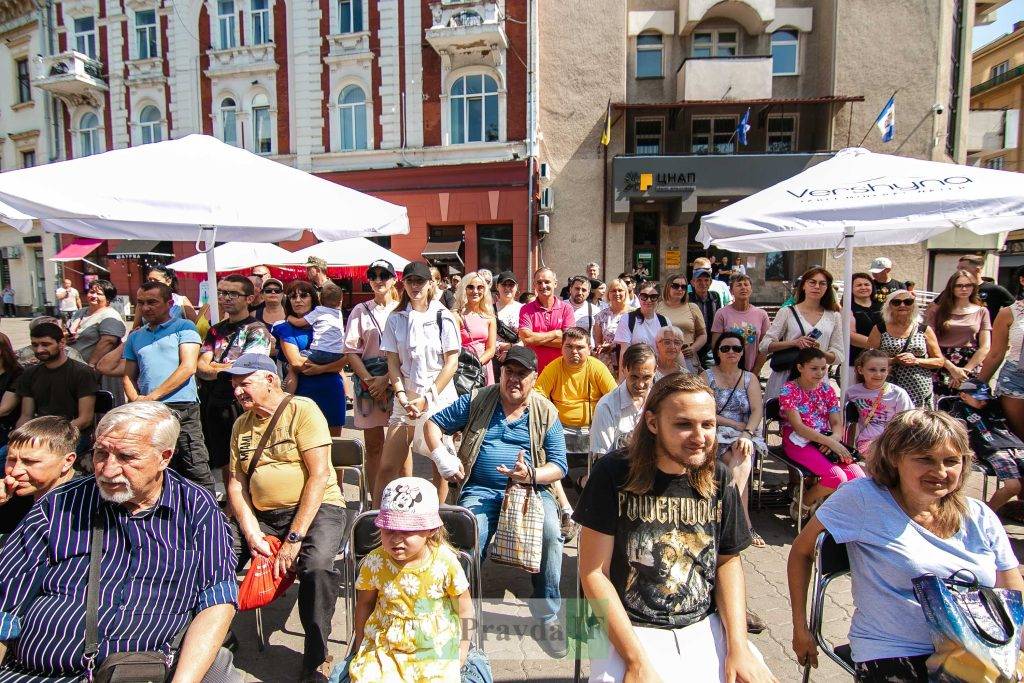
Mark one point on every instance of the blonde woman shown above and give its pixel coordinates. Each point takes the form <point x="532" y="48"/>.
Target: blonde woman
<point x="911" y="344"/>
<point x="478" y="326"/>
<point x="606" y="322"/>
<point x="911" y="517"/>
<point x="676" y="306"/>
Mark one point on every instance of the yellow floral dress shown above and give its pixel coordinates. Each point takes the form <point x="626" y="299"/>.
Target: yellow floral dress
<point x="414" y="632"/>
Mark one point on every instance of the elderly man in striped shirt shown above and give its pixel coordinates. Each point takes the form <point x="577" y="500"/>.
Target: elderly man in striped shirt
<point x="166" y="570"/>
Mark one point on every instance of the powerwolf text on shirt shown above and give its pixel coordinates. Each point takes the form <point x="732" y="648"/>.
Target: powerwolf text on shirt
<point x="669" y="510"/>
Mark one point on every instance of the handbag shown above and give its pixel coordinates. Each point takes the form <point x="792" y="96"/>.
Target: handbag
<point x="470" y="373"/>
<point x="832" y="457"/>
<point x="506" y="333"/>
<point x="519" y="535"/>
<point x="976" y="630"/>
<point x="782" y="361"/>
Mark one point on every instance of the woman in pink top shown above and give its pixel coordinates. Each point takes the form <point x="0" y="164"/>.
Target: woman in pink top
<point x="478" y="325"/>
<point x="964" y="330"/>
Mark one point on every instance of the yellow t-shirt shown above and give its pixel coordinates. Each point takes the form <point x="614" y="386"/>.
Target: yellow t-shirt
<point x="575" y="391"/>
<point x="280" y="473"/>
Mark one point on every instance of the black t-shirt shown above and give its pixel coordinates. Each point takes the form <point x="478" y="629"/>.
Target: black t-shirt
<point x="56" y="392"/>
<point x="667" y="542"/>
<point x="995" y="297"/>
<point x="880" y="291"/>
<point x="13" y="511"/>
<point x="864" y="319"/>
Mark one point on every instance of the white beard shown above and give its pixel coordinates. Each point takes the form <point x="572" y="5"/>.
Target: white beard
<point x="120" y="497"/>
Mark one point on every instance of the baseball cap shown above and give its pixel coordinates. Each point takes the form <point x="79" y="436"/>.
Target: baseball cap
<point x="248" y="363"/>
<point x="701" y="271"/>
<point x="317" y="262"/>
<point x="505" y="276"/>
<point x="879" y="264"/>
<point x="381" y="264"/>
<point x="417" y="269"/>
<point x="522" y="355"/>
<point x="977" y="390"/>
<point x="409" y="504"/>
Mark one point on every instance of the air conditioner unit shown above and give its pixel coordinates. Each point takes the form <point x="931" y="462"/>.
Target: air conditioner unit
<point x="543" y="225"/>
<point x="547" y="198"/>
<point x="545" y="171"/>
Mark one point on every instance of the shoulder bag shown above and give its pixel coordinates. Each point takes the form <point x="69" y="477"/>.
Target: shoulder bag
<point x="782" y="361"/>
<point x="377" y="367"/>
<point x="976" y="630"/>
<point x="519" y="535"/>
<point x="470" y="373"/>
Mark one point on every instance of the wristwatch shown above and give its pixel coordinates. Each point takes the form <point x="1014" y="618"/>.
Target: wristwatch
<point x="294" y="537"/>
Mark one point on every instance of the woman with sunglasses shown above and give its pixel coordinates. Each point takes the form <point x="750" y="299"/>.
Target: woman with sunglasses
<point x="372" y="400"/>
<point x="738" y="406"/>
<point x="320" y="383"/>
<point x="963" y="330"/>
<point x="478" y="328"/>
<point x="641" y="326"/>
<point x="911" y="344"/>
<point x="685" y="315"/>
<point x="813" y="321"/>
<point x="272" y="311"/>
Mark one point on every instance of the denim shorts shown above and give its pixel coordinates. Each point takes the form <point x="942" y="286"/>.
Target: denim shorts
<point x="1011" y="381"/>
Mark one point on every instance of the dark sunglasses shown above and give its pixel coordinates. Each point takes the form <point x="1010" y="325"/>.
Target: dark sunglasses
<point x="902" y="302"/>
<point x="678" y="285"/>
<point x="272" y="290"/>
<point x="729" y="348"/>
<point x="299" y="295"/>
<point x="648" y="297"/>
<point x="379" y="275"/>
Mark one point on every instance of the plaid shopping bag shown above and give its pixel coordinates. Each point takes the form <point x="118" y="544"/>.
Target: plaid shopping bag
<point x="518" y="538"/>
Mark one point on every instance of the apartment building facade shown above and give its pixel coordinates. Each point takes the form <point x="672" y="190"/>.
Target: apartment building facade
<point x="425" y="104"/>
<point x="810" y="76"/>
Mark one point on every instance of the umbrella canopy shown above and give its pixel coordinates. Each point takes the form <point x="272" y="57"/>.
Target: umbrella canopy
<point x="235" y="256"/>
<point x="357" y="251"/>
<point x="880" y="198"/>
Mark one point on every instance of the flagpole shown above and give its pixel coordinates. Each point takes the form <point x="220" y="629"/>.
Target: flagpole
<point x="876" y="119"/>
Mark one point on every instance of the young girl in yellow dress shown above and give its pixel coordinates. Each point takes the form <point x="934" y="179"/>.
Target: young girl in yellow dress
<point x="411" y="594"/>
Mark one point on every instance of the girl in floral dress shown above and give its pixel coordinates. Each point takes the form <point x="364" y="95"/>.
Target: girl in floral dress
<point x="411" y="595"/>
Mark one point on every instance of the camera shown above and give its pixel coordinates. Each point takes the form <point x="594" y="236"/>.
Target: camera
<point x="938" y="108"/>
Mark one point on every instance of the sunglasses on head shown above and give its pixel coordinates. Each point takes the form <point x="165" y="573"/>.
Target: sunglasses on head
<point x="729" y="348"/>
<point x="902" y="302"/>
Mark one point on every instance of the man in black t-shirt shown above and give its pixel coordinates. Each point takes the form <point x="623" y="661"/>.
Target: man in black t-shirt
<point x="995" y="297"/>
<point x="665" y="517"/>
<point x="881" y="284"/>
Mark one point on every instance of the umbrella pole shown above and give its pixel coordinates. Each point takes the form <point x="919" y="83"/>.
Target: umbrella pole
<point x="844" y="365"/>
<point x="205" y="244"/>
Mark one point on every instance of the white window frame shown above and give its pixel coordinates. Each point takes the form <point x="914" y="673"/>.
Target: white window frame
<point x="352" y="5"/>
<point x="659" y="48"/>
<point x="152" y="130"/>
<point x="1000" y="68"/>
<point x="262" y="18"/>
<point x="22" y="81"/>
<point x="794" y="43"/>
<point x="225" y="125"/>
<point x="710" y="137"/>
<point x="498" y="102"/>
<point x="793" y="136"/>
<point x="358" y="111"/>
<point x="716" y="42"/>
<point x="261" y="103"/>
<point x="147" y="42"/>
<point x="661" y="135"/>
<point x="227" y="26"/>
<point x="85" y="41"/>
<point x="89" y="137"/>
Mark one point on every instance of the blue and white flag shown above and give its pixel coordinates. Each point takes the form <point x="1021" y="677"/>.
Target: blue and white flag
<point x="744" y="127"/>
<point x="886" y="121"/>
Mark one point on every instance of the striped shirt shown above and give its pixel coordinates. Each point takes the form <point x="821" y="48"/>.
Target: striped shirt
<point x="159" y="568"/>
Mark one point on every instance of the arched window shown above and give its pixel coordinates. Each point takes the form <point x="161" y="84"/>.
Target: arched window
<point x="228" y="121"/>
<point x="785" y="52"/>
<point x="352" y="105"/>
<point x="149" y="122"/>
<point x="649" y="55"/>
<point x="262" y="139"/>
<point x="474" y="109"/>
<point x="89" y="135"/>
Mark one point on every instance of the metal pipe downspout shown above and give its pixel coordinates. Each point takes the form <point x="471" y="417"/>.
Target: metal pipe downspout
<point x="532" y="47"/>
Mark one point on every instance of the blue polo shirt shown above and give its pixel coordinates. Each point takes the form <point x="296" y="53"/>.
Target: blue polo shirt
<point x="156" y="354"/>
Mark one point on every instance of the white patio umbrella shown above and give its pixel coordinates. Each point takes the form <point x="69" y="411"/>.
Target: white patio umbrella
<point x="234" y="256"/>
<point x="357" y="251"/>
<point x="196" y="188"/>
<point x="859" y="198"/>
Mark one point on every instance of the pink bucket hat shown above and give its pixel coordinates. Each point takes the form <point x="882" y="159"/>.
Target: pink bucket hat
<point x="409" y="504"/>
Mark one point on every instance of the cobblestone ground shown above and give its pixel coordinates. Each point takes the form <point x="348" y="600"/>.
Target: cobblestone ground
<point x="504" y="588"/>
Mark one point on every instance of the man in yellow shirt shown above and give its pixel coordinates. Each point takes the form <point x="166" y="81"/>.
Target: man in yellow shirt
<point x="287" y="489"/>
<point x="576" y="381"/>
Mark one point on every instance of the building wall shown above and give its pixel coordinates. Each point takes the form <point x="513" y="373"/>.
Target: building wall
<point x="1006" y="48"/>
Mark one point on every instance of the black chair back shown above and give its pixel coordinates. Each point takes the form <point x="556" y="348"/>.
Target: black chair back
<point x="833" y="558"/>
<point x="347" y="452"/>
<point x="458" y="521"/>
<point x="104" y="402"/>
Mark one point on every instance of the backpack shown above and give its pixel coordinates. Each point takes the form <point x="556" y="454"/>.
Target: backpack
<point x="633" y="315"/>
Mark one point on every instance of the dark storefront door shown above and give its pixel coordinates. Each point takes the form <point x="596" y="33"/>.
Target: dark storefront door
<point x="646" y="247"/>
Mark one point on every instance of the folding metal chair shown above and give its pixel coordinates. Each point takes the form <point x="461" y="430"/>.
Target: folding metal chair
<point x="104" y="404"/>
<point x="463" y="535"/>
<point x="830" y="562"/>
<point x="349" y="455"/>
<point x="977" y="464"/>
<point x="773" y="435"/>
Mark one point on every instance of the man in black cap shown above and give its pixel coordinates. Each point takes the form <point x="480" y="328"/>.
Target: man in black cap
<point x="505" y="426"/>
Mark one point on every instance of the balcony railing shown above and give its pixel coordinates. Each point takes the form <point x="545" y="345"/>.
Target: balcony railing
<point x="467" y="27"/>
<point x="752" y="15"/>
<point x="72" y="76"/>
<point x="998" y="80"/>
<point x="743" y="77"/>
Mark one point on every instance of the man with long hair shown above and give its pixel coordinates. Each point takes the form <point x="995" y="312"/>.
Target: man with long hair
<point x="659" y="554"/>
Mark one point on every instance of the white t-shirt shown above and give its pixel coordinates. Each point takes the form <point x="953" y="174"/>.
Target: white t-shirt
<point x="328" y="329"/>
<point x="584" y="317"/>
<point x="510" y="314"/>
<point x="420" y="347"/>
<point x="70" y="302"/>
<point x="644" y="330"/>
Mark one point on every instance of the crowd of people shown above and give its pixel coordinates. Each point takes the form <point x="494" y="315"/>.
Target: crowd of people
<point x="646" y="397"/>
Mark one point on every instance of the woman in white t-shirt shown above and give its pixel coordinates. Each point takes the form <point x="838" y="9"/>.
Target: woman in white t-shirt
<point x="641" y="326"/>
<point x="422" y="360"/>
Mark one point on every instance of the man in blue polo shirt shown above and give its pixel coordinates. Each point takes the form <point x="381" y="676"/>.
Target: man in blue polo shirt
<point x="159" y="364"/>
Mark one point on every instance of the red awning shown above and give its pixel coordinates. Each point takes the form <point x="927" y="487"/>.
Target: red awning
<point x="77" y="250"/>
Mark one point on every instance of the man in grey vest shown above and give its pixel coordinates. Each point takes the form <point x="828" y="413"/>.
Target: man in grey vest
<point x="509" y="432"/>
